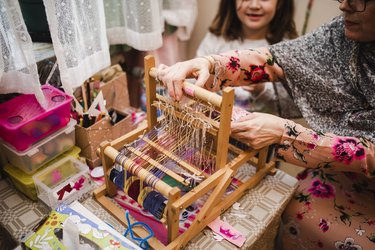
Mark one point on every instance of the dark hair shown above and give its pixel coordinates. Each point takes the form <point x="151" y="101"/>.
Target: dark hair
<point x="227" y="24"/>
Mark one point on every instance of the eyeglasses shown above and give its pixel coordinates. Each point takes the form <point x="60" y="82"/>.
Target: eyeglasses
<point x="356" y="5"/>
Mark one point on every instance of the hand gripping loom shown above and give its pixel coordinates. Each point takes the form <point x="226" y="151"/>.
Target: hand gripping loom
<point x="215" y="184"/>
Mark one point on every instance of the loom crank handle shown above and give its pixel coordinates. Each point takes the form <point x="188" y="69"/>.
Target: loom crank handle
<point x="196" y="91"/>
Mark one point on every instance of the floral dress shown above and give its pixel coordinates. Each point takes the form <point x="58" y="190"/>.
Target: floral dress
<point x="274" y="95"/>
<point x="332" y="80"/>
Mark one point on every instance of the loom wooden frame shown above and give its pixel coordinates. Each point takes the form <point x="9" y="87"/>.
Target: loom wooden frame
<point x="218" y="182"/>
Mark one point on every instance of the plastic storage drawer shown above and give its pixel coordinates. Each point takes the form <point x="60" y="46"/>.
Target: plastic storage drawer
<point x="25" y="182"/>
<point x="42" y="152"/>
<point x="23" y="121"/>
<point x="62" y="182"/>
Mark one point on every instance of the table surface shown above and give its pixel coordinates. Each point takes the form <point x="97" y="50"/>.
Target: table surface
<point x="258" y="209"/>
<point x="258" y="215"/>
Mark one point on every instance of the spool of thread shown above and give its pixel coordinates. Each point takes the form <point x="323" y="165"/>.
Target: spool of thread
<point x="143" y="194"/>
<point x="134" y="189"/>
<point x="155" y="203"/>
<point x="128" y="182"/>
<point x="117" y="177"/>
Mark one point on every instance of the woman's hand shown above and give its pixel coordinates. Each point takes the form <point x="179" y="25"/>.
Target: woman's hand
<point x="173" y="76"/>
<point x="258" y="129"/>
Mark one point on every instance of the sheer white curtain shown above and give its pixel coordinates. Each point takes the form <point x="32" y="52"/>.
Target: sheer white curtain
<point x="140" y="23"/>
<point x="79" y="38"/>
<point x="182" y="14"/>
<point x="18" y="70"/>
<point x="79" y="31"/>
<point x="137" y="23"/>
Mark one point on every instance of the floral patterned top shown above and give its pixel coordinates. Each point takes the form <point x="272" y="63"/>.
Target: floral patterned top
<point x="336" y="100"/>
<point x="332" y="80"/>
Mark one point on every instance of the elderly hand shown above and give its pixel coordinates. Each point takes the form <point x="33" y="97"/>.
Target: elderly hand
<point x="173" y="76"/>
<point x="258" y="129"/>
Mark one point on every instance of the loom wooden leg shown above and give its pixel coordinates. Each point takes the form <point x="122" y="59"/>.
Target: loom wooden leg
<point x="150" y="82"/>
<point x="173" y="215"/>
<point x="262" y="158"/>
<point x="107" y="164"/>
<point x="202" y="217"/>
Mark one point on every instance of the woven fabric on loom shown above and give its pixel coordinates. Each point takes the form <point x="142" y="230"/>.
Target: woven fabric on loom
<point x="189" y="144"/>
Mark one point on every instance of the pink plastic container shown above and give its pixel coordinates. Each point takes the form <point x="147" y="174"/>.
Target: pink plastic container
<point x="23" y="121"/>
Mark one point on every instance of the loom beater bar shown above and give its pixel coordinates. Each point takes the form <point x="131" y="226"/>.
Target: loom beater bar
<point x="159" y="166"/>
<point x="192" y="90"/>
<point x="143" y="174"/>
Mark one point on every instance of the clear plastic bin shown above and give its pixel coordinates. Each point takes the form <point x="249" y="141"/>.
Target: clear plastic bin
<point x="42" y="152"/>
<point x="25" y="182"/>
<point x="23" y="121"/>
<point x="62" y="182"/>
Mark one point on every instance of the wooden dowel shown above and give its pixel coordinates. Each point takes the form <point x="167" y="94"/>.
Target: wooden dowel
<point x="143" y="174"/>
<point x="159" y="166"/>
<point x="224" y="129"/>
<point x="150" y="83"/>
<point x="195" y="91"/>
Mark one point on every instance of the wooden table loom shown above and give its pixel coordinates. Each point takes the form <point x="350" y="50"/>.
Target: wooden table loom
<point x="214" y="184"/>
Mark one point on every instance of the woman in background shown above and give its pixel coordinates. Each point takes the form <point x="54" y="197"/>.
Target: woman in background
<point x="331" y="75"/>
<point x="244" y="24"/>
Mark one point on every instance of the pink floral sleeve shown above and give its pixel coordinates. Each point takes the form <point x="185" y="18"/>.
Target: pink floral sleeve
<point x="307" y="148"/>
<point x="245" y="67"/>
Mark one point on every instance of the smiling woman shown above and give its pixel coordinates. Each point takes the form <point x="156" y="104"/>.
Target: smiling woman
<point x="243" y="24"/>
<point x="330" y="73"/>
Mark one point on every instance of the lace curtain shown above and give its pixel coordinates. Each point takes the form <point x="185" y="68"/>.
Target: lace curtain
<point x="182" y="14"/>
<point x="79" y="31"/>
<point x="140" y="23"/>
<point x="18" y="70"/>
<point x="79" y="39"/>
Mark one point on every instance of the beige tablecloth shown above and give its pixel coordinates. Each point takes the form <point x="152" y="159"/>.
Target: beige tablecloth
<point x="258" y="215"/>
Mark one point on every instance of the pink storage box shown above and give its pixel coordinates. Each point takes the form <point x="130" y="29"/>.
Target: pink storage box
<point x="23" y="121"/>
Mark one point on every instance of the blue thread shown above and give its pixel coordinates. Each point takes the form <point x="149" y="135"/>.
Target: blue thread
<point x="142" y="241"/>
<point x="155" y="203"/>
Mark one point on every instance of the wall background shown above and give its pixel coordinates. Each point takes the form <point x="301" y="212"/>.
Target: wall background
<point x="321" y="12"/>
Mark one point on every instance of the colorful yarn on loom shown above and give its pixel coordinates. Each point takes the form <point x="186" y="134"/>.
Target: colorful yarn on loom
<point x="117" y="177"/>
<point x="155" y="203"/>
<point x="134" y="189"/>
<point x="143" y="194"/>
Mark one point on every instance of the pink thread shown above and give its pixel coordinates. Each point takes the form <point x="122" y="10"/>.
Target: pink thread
<point x="226" y="232"/>
<point x="189" y="91"/>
